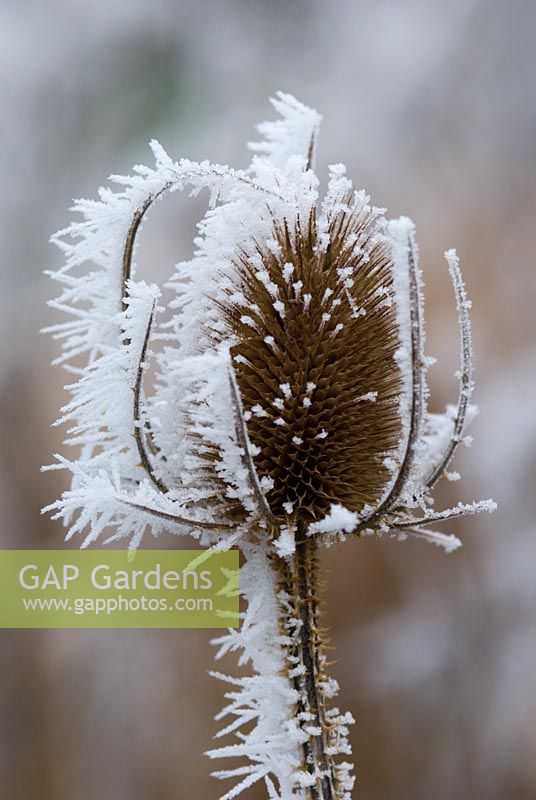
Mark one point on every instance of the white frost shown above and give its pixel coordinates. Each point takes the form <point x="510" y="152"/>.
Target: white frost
<point x="339" y="519"/>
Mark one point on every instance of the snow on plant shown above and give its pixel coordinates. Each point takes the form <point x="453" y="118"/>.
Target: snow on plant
<point x="289" y="411"/>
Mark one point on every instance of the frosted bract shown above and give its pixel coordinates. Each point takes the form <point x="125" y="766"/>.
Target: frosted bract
<point x="294" y="133"/>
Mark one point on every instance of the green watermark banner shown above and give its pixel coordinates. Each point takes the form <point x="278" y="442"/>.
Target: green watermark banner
<point x="119" y="589"/>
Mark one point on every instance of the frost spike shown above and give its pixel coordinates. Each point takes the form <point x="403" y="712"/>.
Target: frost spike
<point x="448" y="542"/>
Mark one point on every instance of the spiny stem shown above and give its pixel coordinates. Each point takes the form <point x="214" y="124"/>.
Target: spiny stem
<point x="300" y="585"/>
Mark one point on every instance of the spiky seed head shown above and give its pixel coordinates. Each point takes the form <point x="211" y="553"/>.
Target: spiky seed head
<point x="294" y="380"/>
<point x="315" y="339"/>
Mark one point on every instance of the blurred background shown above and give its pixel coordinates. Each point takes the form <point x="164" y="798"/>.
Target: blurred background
<point x="432" y="107"/>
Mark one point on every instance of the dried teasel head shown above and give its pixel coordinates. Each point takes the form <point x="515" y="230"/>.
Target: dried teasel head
<point x="292" y="384"/>
<point x="315" y="340"/>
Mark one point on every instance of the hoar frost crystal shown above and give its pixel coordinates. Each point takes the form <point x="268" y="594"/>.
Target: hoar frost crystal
<point x="289" y="411"/>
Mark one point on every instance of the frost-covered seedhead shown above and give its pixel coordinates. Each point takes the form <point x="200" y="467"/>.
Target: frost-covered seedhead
<point x="315" y="339"/>
<point x="292" y="375"/>
<point x="290" y="406"/>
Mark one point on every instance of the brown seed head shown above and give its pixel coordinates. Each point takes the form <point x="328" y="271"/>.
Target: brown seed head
<point x="315" y="341"/>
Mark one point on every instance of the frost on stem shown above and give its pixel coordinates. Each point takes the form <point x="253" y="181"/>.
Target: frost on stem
<point x="289" y="410"/>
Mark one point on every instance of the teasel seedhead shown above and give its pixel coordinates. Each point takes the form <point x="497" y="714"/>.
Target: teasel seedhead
<point x="289" y="407"/>
<point x="315" y="342"/>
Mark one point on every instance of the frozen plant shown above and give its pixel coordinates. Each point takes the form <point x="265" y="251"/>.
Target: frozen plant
<point x="289" y="411"/>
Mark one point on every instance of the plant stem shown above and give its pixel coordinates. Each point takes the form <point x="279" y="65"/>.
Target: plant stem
<point x="299" y="581"/>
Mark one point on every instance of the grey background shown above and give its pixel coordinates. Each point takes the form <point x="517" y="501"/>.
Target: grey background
<point x="431" y="105"/>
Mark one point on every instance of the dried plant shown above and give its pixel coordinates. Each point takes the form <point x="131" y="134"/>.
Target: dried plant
<point x="290" y="411"/>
